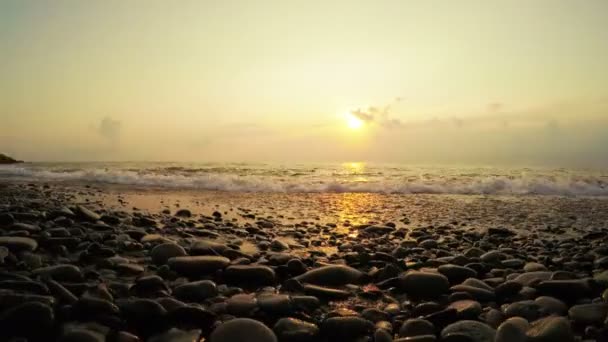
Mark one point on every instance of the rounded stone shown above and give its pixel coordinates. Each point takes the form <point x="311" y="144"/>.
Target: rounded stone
<point x="346" y="328"/>
<point x="332" y="275"/>
<point x="456" y="273"/>
<point x="207" y="247"/>
<point x="19" y="319"/>
<point x="197" y="265"/>
<point x="466" y="309"/>
<point x="493" y="257"/>
<point x="508" y="289"/>
<point x="415" y="327"/>
<point x="18" y="243"/>
<point x="293" y="329"/>
<point x="527" y="309"/>
<point x="241" y="304"/>
<point x="87" y="214"/>
<point x="477" y="293"/>
<point x="589" y="314"/>
<point x="476" y="331"/>
<point x="160" y="254"/>
<point x="177" y="335"/>
<point x="382" y="335"/>
<point x="248" y="275"/>
<point x="82" y="335"/>
<point x="64" y="272"/>
<point x="242" y="329"/>
<point x="534" y="266"/>
<point x="550" y="329"/>
<point x="275" y="304"/>
<point x="551" y="305"/>
<point x="528" y="278"/>
<point x="196" y="291"/>
<point x="512" y="330"/>
<point x="423" y="284"/>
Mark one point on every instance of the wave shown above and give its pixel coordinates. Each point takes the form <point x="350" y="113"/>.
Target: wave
<point x="467" y="184"/>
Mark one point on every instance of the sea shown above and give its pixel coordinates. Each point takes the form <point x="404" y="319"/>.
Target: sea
<point x="350" y="177"/>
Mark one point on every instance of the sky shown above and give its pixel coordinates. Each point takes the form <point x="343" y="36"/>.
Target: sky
<point x="513" y="82"/>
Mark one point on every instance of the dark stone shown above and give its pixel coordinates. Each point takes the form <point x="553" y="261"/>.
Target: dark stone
<point x="242" y="329"/>
<point x="346" y="328"/>
<point x="19" y="321"/>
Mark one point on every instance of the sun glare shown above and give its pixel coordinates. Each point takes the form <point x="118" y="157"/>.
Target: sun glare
<point x="353" y="122"/>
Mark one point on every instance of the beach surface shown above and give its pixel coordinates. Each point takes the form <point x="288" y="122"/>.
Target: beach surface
<point x="120" y="262"/>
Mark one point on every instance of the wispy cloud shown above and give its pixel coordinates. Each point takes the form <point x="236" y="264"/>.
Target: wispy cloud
<point x="109" y="128"/>
<point x="379" y="115"/>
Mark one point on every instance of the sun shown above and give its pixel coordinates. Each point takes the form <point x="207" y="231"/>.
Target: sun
<point x="353" y="122"/>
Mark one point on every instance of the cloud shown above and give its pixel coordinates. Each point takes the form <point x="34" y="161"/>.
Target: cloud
<point x="109" y="128"/>
<point x="495" y="107"/>
<point x="552" y="126"/>
<point x="379" y="115"/>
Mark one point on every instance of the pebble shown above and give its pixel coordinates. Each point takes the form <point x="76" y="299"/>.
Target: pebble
<point x="332" y="275"/>
<point x="416" y="327"/>
<point x="466" y="309"/>
<point x="528" y="278"/>
<point x="207" y="247"/>
<point x="196" y="291"/>
<point x="197" y="265"/>
<point x="17" y="321"/>
<point x="512" y="330"/>
<point x="423" y="284"/>
<point x="70" y="273"/>
<point x="160" y="254"/>
<point x="191" y="317"/>
<point x="177" y="335"/>
<point x="534" y="267"/>
<point x="325" y="292"/>
<point x="87" y="214"/>
<point x="183" y="213"/>
<point x="493" y="257"/>
<point x="379" y="230"/>
<point x="419" y="338"/>
<point x="479" y="294"/>
<point x="527" y="309"/>
<point x="346" y="328"/>
<point x="293" y="329"/>
<point x="276" y="304"/>
<point x="244" y="330"/>
<point x="241" y="305"/>
<point x="82" y="335"/>
<point x="551" y="305"/>
<point x="474" y="330"/>
<point x="456" y="273"/>
<point x="565" y="289"/>
<point x="550" y="329"/>
<point x="130" y="276"/>
<point x="248" y="275"/>
<point x="589" y="314"/>
<point x="18" y="243"/>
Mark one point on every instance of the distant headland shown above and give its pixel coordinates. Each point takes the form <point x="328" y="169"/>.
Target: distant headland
<point x="4" y="159"/>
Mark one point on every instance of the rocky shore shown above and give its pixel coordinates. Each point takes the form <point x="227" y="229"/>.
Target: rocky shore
<point x="77" y="271"/>
<point x="4" y="159"/>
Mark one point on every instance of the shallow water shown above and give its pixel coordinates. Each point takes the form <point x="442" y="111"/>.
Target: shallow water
<point x="550" y="216"/>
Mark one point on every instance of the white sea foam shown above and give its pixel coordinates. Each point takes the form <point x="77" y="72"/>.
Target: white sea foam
<point x="319" y="179"/>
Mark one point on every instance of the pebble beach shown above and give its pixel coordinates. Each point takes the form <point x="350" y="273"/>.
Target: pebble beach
<point x="102" y="263"/>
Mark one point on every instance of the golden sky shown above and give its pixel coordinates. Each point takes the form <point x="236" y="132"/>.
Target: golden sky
<point x="488" y="81"/>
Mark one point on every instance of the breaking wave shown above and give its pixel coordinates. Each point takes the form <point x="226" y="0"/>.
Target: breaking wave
<point x="319" y="180"/>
